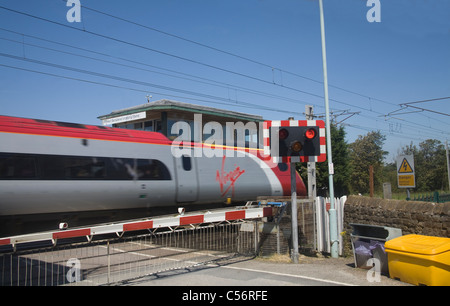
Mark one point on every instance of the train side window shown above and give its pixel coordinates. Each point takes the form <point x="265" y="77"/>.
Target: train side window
<point x="186" y="161"/>
<point x="84" y="168"/>
<point x="52" y="167"/>
<point x="136" y="169"/>
<point x="122" y="169"/>
<point x="152" y="169"/>
<point x="6" y="167"/>
<point x="61" y="167"/>
<point x="17" y="167"/>
<point x="116" y="169"/>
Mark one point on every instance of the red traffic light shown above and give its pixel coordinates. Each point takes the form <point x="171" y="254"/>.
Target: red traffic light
<point x="283" y="134"/>
<point x="310" y="133"/>
<point x="295" y="140"/>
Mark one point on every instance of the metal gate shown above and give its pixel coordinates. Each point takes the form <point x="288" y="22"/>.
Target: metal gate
<point x="115" y="261"/>
<point x="313" y="227"/>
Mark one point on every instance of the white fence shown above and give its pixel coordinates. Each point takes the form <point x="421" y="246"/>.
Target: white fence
<point x="323" y="241"/>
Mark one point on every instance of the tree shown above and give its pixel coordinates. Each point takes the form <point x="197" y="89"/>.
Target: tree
<point x="432" y="165"/>
<point x="364" y="152"/>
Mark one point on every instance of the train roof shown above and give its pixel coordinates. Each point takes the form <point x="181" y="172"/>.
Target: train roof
<point x="66" y="129"/>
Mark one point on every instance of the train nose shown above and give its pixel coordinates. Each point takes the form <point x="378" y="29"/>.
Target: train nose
<point x="285" y="179"/>
<point x="301" y="188"/>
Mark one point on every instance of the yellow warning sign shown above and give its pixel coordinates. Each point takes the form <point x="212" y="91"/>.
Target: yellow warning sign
<point x="405" y="167"/>
<point x="406" y="180"/>
<point x="405" y="171"/>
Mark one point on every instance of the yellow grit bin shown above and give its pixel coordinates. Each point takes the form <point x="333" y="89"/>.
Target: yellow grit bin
<point x="419" y="260"/>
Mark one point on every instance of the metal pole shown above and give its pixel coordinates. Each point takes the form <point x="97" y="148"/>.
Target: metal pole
<point x="448" y="163"/>
<point x="332" y="211"/>
<point x="371" y="180"/>
<point x="256" y="237"/>
<point x="312" y="183"/>
<point x="278" y="239"/>
<point x="109" y="263"/>
<point x="294" y="214"/>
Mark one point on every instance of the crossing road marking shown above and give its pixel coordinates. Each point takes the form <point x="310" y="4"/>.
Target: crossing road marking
<point x="289" y="275"/>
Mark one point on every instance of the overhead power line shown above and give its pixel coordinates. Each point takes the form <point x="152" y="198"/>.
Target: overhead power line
<point x="426" y="110"/>
<point x="210" y="66"/>
<point x="164" y="53"/>
<point x="173" y="73"/>
<point x="218" y="100"/>
<point x="422" y="101"/>
<point x="247" y="105"/>
<point x="136" y="82"/>
<point x="253" y="61"/>
<point x="405" y="106"/>
<point x="272" y="67"/>
<point x="136" y="89"/>
<point x="183" y="58"/>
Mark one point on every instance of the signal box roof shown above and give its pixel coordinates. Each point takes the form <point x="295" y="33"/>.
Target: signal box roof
<point x="177" y="107"/>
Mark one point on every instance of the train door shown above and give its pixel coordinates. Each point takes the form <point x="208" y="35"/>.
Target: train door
<point x="187" y="179"/>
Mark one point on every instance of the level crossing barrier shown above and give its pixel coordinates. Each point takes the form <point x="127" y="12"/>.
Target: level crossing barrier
<point x="117" y="261"/>
<point x="172" y="243"/>
<point x="119" y="252"/>
<point x="119" y="228"/>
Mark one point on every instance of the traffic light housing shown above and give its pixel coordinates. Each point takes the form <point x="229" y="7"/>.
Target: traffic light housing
<point x="295" y="141"/>
<point x="299" y="141"/>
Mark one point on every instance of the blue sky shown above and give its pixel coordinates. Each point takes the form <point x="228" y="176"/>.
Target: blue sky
<point x="266" y="60"/>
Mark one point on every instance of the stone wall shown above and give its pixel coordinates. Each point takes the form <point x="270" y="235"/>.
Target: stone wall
<point x="413" y="217"/>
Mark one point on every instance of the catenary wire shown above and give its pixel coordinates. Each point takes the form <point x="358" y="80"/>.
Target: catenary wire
<point x="183" y="76"/>
<point x="165" y="53"/>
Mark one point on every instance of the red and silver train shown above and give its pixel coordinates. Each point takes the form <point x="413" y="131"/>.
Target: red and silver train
<point x="58" y="168"/>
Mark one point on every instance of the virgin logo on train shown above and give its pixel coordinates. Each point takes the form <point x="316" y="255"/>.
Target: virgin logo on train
<point x="227" y="180"/>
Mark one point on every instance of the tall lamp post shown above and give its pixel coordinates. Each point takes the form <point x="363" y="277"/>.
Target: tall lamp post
<point x="332" y="210"/>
